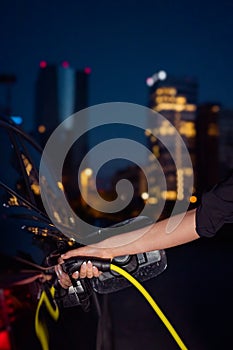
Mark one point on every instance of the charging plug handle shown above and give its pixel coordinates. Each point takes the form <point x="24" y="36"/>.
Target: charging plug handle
<point x="74" y="264"/>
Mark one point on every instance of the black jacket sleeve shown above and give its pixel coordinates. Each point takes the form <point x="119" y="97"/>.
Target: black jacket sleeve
<point x="216" y="208"/>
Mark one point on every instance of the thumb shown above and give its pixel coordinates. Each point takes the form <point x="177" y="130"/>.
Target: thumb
<point x="74" y="252"/>
<point x="92" y="251"/>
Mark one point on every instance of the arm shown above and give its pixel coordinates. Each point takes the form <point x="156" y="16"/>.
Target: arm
<point x="215" y="210"/>
<point x="143" y="240"/>
<point x="153" y="237"/>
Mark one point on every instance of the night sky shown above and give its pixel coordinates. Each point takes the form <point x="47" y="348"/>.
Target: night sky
<point x="123" y="42"/>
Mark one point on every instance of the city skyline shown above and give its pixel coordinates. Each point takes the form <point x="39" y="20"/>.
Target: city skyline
<point x="123" y="44"/>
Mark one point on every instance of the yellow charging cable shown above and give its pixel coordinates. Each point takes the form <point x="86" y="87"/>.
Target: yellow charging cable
<point x="52" y="308"/>
<point x="151" y="301"/>
<point x="41" y="329"/>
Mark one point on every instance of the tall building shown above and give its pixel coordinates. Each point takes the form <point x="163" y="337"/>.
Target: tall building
<point x="176" y="100"/>
<point x="207" y="145"/>
<point x="225" y="141"/>
<point x="60" y="92"/>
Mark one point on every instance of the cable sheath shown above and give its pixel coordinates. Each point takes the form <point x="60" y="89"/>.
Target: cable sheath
<point x="153" y="304"/>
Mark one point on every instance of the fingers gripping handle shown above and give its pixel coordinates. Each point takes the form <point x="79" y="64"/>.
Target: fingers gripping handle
<point x="74" y="264"/>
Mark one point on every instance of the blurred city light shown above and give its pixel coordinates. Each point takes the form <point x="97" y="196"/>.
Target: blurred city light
<point x="43" y="64"/>
<point x="145" y="196"/>
<point x="193" y="199"/>
<point x="17" y="119"/>
<point x="60" y="185"/>
<point x="88" y="171"/>
<point x="87" y="70"/>
<point x="65" y="64"/>
<point x="161" y="75"/>
<point x="150" y="81"/>
<point x="41" y="129"/>
<point x="85" y="177"/>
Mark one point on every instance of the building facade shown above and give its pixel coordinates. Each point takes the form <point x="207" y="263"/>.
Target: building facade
<point x="176" y="100"/>
<point x="62" y="91"/>
<point x="207" y="145"/>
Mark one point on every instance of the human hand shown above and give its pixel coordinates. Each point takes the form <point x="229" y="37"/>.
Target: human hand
<point x="89" y="251"/>
<point x="86" y="270"/>
<point x="63" y="278"/>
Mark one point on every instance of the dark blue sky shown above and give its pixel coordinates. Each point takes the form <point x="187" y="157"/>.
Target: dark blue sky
<point x="123" y="42"/>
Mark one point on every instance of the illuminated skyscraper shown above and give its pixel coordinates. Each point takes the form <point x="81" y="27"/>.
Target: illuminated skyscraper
<point x="176" y="100"/>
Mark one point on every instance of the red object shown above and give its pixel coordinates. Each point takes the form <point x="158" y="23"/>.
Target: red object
<point x="87" y="70"/>
<point x="43" y="64"/>
<point x="5" y="341"/>
<point x="65" y="64"/>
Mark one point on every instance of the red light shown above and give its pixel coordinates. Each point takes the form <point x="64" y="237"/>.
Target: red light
<point x="5" y="340"/>
<point x="65" y="64"/>
<point x="87" y="70"/>
<point x="43" y="64"/>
